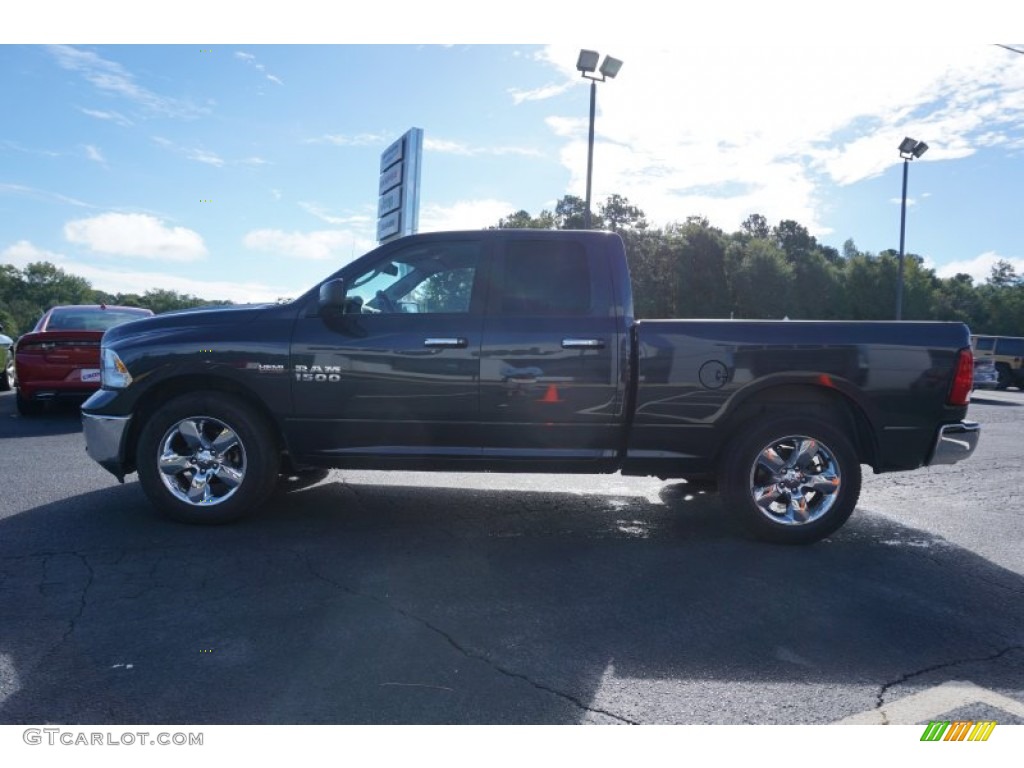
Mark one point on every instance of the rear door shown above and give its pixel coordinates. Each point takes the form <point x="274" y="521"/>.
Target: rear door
<point x="550" y="387"/>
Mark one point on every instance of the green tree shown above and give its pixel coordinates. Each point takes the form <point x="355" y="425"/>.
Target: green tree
<point x="761" y="280"/>
<point x="571" y="213"/>
<point x="654" y="278"/>
<point x="619" y="215"/>
<point x="523" y="220"/>
<point x="1003" y="304"/>
<point x="162" y="300"/>
<point x="756" y="225"/>
<point x="27" y="293"/>
<point x="1003" y="274"/>
<point x="816" y="279"/>
<point x="699" y="261"/>
<point x="956" y="298"/>
<point x="869" y="287"/>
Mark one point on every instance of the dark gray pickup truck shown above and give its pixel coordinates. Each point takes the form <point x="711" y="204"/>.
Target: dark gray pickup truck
<point x="517" y="351"/>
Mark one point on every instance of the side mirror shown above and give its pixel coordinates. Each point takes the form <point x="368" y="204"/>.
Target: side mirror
<point x="332" y="295"/>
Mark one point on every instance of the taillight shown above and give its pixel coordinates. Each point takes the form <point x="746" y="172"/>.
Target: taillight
<point x="963" y="378"/>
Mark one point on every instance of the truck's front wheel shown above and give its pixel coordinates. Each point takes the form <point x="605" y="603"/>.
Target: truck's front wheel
<point x="792" y="480"/>
<point x="205" y="457"/>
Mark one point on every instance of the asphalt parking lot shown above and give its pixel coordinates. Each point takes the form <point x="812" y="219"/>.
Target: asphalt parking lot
<point x="448" y="598"/>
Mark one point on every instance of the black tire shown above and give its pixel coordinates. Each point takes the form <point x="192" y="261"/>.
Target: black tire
<point x="1004" y="374"/>
<point x="26" y="406"/>
<point x="804" y="471"/>
<point x="207" y="458"/>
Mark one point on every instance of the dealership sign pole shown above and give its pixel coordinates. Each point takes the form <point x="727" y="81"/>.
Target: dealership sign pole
<point x="398" y="204"/>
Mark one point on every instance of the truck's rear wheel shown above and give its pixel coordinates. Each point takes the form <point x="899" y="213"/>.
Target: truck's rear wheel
<point x="207" y="458"/>
<point x="792" y="479"/>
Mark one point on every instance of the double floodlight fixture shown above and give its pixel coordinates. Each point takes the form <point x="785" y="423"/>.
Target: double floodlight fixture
<point x="911" y="148"/>
<point x="587" y="65"/>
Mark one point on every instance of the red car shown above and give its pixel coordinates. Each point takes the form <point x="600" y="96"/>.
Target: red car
<point x="60" y="357"/>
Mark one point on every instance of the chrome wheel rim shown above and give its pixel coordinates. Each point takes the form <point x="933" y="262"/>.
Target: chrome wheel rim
<point x="201" y="461"/>
<point x="795" y="480"/>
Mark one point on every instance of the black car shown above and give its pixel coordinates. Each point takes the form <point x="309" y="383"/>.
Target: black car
<point x="7" y="359"/>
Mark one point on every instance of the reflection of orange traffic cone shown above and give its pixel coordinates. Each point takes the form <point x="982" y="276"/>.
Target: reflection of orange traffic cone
<point x="551" y="396"/>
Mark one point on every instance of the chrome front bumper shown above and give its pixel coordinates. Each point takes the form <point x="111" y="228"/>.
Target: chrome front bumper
<point x="955" y="442"/>
<point x="104" y="441"/>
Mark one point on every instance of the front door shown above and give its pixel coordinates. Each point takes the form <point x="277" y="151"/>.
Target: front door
<point x="397" y="375"/>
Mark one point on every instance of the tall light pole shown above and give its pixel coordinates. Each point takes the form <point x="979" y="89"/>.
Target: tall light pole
<point x="909" y="149"/>
<point x="587" y="64"/>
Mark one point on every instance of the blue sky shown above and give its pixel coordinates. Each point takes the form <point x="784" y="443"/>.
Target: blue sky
<point x="248" y="171"/>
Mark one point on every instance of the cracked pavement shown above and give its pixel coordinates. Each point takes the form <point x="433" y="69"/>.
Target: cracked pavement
<point x="417" y="598"/>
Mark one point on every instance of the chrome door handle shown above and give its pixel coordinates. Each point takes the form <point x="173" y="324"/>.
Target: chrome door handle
<point x="582" y="343"/>
<point x="451" y="342"/>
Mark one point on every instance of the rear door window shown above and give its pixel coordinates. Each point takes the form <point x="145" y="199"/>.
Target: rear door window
<point x="546" y="278"/>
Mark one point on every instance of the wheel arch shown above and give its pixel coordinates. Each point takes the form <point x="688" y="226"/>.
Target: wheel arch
<point x="192" y="383"/>
<point x="805" y="399"/>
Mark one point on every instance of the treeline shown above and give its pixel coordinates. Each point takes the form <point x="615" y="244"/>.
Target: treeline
<point x="694" y="270"/>
<point x="25" y="294"/>
<point x="689" y="269"/>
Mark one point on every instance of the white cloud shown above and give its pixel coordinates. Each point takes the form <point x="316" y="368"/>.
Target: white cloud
<point x="358" y="140"/>
<point x="99" y="114"/>
<point x="359" y="235"/>
<point x="250" y="59"/>
<point x="338" y="246"/>
<point x="16" y="147"/>
<point x="324" y="215"/>
<point x="446" y="146"/>
<point x="111" y="79"/>
<point x="23" y="253"/>
<point x="137" y="235"/>
<point x="539" y="94"/>
<point x="94" y="154"/>
<point x="203" y="156"/>
<point x="42" y="194"/>
<point x="734" y="130"/>
<point x="464" y="214"/>
<point x="980" y="267"/>
<point x="200" y="155"/>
